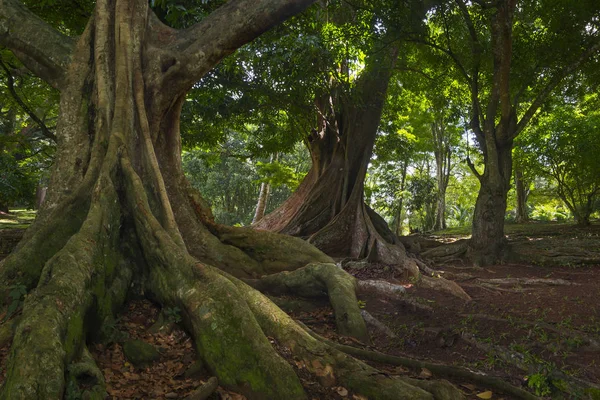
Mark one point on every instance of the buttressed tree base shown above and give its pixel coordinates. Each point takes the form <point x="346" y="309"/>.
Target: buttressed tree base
<point x="120" y="215"/>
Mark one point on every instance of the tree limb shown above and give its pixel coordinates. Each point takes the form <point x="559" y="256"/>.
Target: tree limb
<point x="11" y="88"/>
<point x="552" y="84"/>
<point x="473" y="169"/>
<point x="205" y="44"/>
<point x="44" y="50"/>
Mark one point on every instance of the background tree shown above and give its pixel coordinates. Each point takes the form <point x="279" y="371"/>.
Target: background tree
<point x="509" y="68"/>
<point x="566" y="142"/>
<point x="328" y="208"/>
<point x="27" y="138"/>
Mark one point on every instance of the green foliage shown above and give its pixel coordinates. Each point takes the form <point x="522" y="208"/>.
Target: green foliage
<point x="229" y="175"/>
<point x="550" y="210"/>
<point x="172" y="314"/>
<point x="563" y="147"/>
<point x="422" y="190"/>
<point x="277" y="174"/>
<point x="540" y="384"/>
<point x="25" y="152"/>
<point x="17" y="184"/>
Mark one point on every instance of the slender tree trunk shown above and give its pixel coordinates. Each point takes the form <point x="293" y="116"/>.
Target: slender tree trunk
<point x="40" y="195"/>
<point x="263" y="198"/>
<point x="443" y="154"/>
<point x="261" y="205"/>
<point x="440" y="211"/>
<point x="400" y="206"/>
<point x="522" y="215"/>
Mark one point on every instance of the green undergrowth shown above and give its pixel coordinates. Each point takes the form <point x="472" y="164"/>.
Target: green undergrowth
<point x="17" y="219"/>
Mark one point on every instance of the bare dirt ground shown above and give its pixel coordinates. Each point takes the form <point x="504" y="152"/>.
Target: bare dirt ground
<point x="534" y="326"/>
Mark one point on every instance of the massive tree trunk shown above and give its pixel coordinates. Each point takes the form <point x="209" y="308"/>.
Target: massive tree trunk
<point x="328" y="208"/>
<point x="487" y="235"/>
<point x="120" y="216"/>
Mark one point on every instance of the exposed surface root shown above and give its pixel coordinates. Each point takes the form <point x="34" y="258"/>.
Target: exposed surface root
<point x="271" y="250"/>
<point x="230" y="332"/>
<point x="51" y="332"/>
<point x="315" y="280"/>
<point x="445" y="285"/>
<point x="451" y="250"/>
<point x="332" y="366"/>
<point x="205" y="390"/>
<point x="439" y="369"/>
<point x="227" y="337"/>
<point x="7" y="330"/>
<point x="377" y="324"/>
<point x="24" y="265"/>
<point x="384" y="288"/>
<point x="85" y="379"/>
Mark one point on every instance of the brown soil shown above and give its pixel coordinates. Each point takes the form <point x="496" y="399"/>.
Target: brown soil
<point x="548" y="324"/>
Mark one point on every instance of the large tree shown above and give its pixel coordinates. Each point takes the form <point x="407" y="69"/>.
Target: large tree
<point x="505" y="53"/>
<point x="328" y="208"/>
<point x="120" y="215"/>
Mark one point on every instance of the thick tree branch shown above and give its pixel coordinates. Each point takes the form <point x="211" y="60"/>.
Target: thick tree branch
<point x="473" y="169"/>
<point x="11" y="88"/>
<point x="205" y="44"/>
<point x="552" y="84"/>
<point x="44" y="50"/>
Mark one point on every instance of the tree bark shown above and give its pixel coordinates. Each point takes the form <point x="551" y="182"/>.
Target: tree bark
<point x="120" y="214"/>
<point x="443" y="154"/>
<point x="397" y="225"/>
<point x="522" y="216"/>
<point x="261" y="205"/>
<point x="328" y="208"/>
<point x="263" y="198"/>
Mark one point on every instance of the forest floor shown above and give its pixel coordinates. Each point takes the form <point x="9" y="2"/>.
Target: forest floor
<point x="535" y="326"/>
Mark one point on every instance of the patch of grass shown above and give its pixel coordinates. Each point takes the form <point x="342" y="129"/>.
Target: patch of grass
<point x="17" y="219"/>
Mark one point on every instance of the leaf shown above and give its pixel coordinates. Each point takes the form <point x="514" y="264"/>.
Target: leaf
<point x="342" y="391"/>
<point x="425" y="373"/>
<point x="485" y="395"/>
<point x="468" y="386"/>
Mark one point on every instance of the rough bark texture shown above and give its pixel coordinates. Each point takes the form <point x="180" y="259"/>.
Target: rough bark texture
<point x="119" y="214"/>
<point x="328" y="208"/>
